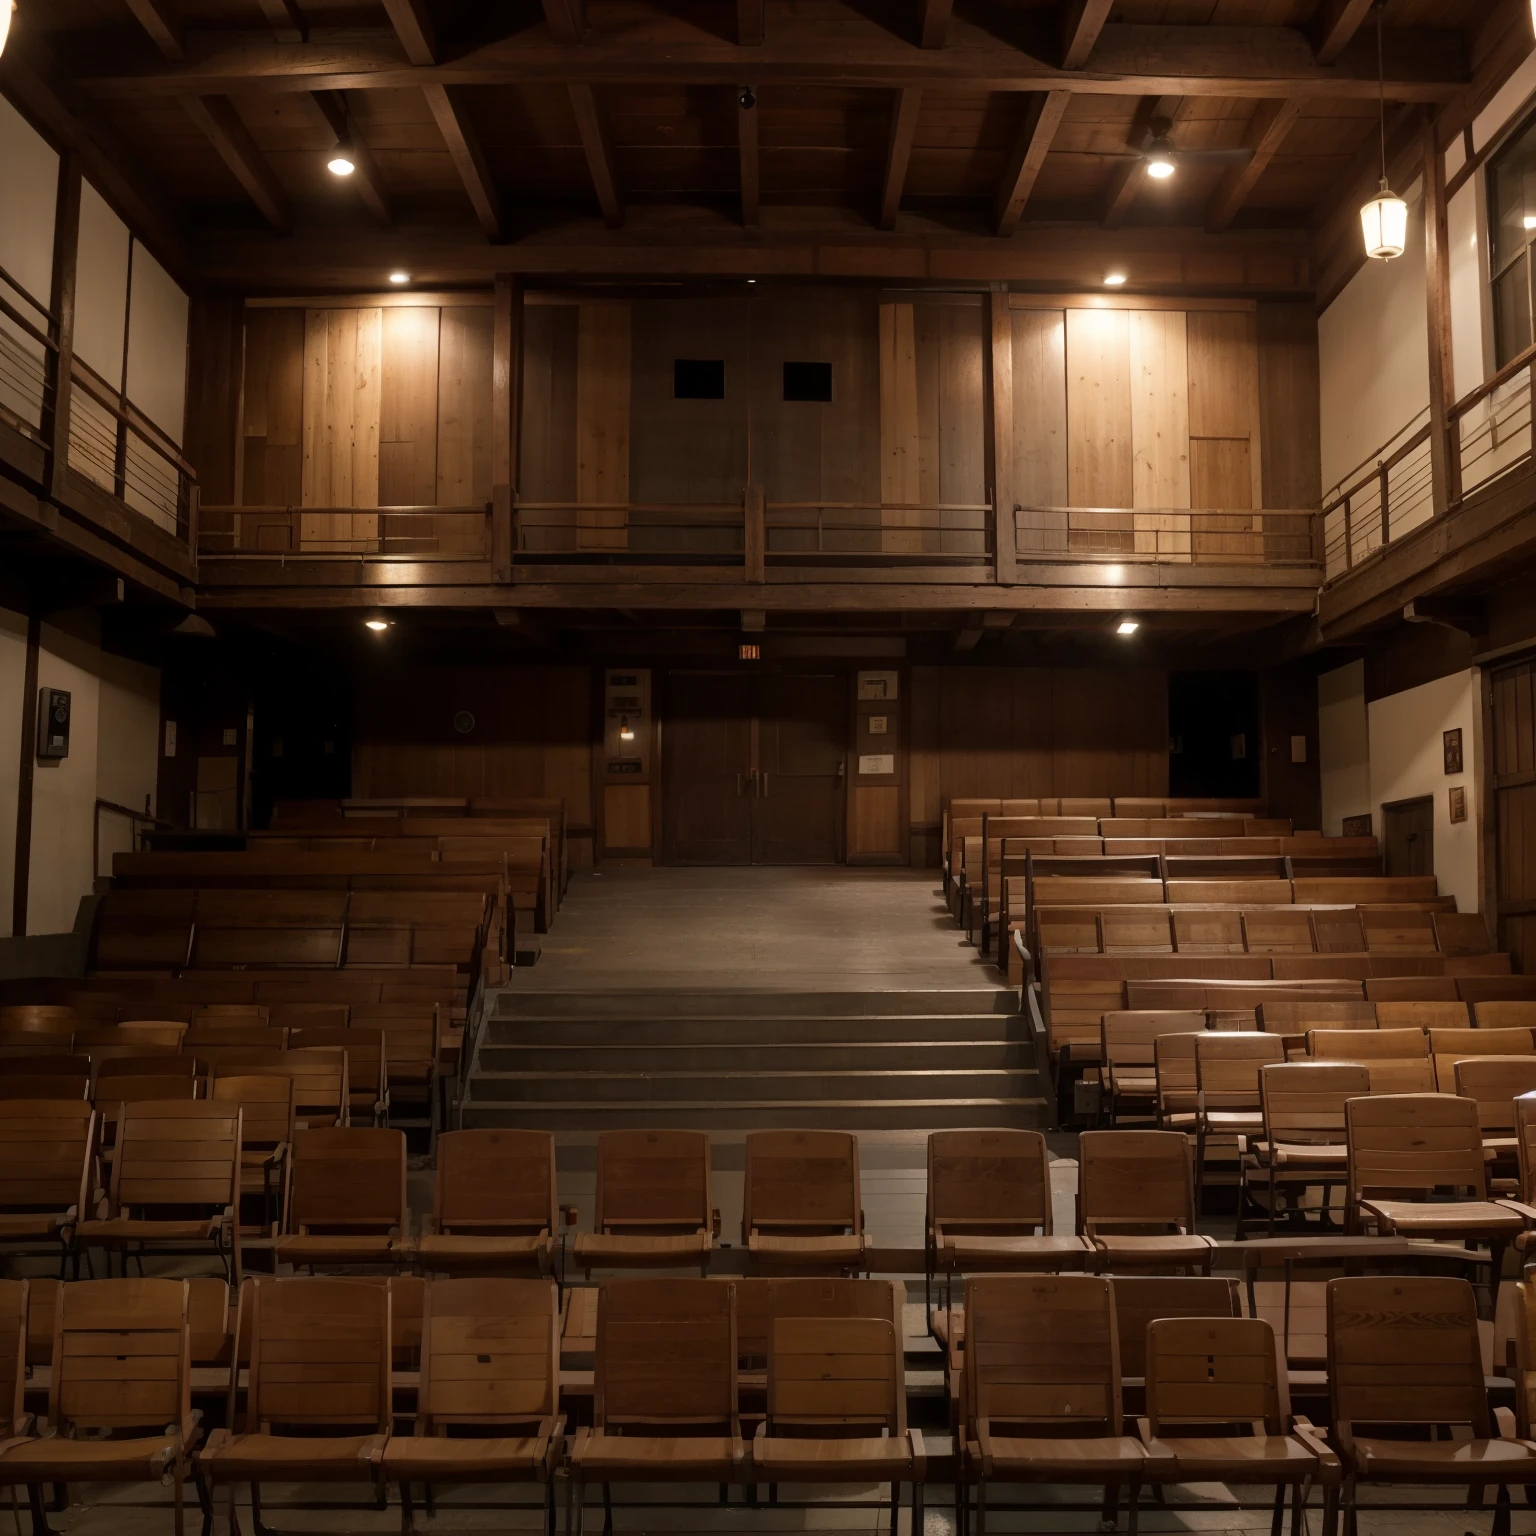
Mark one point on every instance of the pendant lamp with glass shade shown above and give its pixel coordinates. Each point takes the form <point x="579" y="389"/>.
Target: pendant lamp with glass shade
<point x="7" y="7"/>
<point x="1384" y="219"/>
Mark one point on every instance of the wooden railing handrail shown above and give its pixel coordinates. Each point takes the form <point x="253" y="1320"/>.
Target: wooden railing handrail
<point x="16" y="318"/>
<point x="110" y="400"/>
<point x="1177" y="511"/>
<point x="36" y="304"/>
<point x="475" y="510"/>
<point x="1375" y="472"/>
<point x="1473" y="397"/>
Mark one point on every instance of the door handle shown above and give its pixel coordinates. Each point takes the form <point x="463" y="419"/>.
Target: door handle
<point x="762" y="785"/>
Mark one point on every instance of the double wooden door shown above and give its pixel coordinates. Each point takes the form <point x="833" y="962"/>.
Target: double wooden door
<point x="752" y="767"/>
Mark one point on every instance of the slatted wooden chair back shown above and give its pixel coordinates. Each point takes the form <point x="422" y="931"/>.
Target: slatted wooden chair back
<point x="836" y="1373"/>
<point x="1422" y="1015"/>
<point x="802" y="1182"/>
<point x="1413" y="1143"/>
<point x="1128" y="1039"/>
<point x="256" y="1037"/>
<point x="1404" y="1350"/>
<point x="1140" y="1298"/>
<point x="1208" y="931"/>
<point x="114" y="1069"/>
<point x="653" y="1182"/>
<point x="38" y="1019"/>
<point x="1525" y="1359"/>
<point x="1173" y="1059"/>
<point x="46" y="1147"/>
<point x="137" y="1038"/>
<point x="666" y="1356"/>
<point x="13" y="1354"/>
<point x="296" y="1016"/>
<point x="346" y="1180"/>
<point x="1278" y="931"/>
<point x="1290" y="1017"/>
<point x="1398" y="1059"/>
<point x="1125" y="930"/>
<point x="47" y="1077"/>
<point x="1215" y="1370"/>
<point x="496" y="1182"/>
<point x="833" y="1296"/>
<point x="490" y="1352"/>
<point x="367" y="1062"/>
<point x="1042" y="1352"/>
<point x="232" y="1016"/>
<point x="208" y="1317"/>
<point x="988" y="1182"/>
<point x="175" y="1154"/>
<point x="1304" y="1100"/>
<point x="1525" y="1144"/>
<point x="1134" y="1178"/>
<point x="1227" y="1066"/>
<point x="319" y="1075"/>
<point x="42" y="1304"/>
<point x="319" y="1354"/>
<point x="1494" y="1084"/>
<point x="1448" y="1046"/>
<point x="121" y="1356"/>
<point x="1068" y="930"/>
<point x="266" y="1107"/>
<point x="1505" y="1013"/>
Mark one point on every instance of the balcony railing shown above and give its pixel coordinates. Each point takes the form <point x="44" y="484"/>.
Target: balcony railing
<point x="1165" y="536"/>
<point x="28" y="346"/>
<point x="346" y="533"/>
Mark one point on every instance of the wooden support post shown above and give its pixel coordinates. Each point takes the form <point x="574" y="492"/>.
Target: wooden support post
<point x="999" y="426"/>
<point x="66" y="252"/>
<point x="755" y="537"/>
<point x="1444" y="433"/>
<point x="22" y="879"/>
<point x="506" y="417"/>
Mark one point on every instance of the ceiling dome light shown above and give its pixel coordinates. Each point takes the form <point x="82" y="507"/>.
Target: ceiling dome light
<point x="7" y="7"/>
<point x="1160" y="164"/>
<point x="341" y="162"/>
<point x="1114" y="279"/>
<point x="399" y="277"/>
<point x="1384" y="219"/>
<point x="1127" y="627"/>
<point x="378" y="626"/>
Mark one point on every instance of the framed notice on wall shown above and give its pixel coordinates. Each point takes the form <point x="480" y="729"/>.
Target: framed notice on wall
<point x="877" y="687"/>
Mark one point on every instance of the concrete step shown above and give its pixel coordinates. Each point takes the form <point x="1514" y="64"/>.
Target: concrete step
<point x="925" y="1114"/>
<point x="719" y="1089"/>
<point x="680" y="1003"/>
<point x="756" y="1056"/>
<point x="807" y="1029"/>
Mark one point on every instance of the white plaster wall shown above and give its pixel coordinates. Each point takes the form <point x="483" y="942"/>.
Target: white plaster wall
<point x="1343" y="745"/>
<point x="1466" y="265"/>
<point x="13" y="666"/>
<point x="29" y="181"/>
<point x="127" y="761"/>
<point x="1407" y="759"/>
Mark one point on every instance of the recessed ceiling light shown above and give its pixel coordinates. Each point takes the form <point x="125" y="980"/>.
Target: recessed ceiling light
<point x="1114" y="279"/>
<point x="1127" y="627"/>
<point x="1529" y="221"/>
<point x="751" y="279"/>
<point x="341" y="162"/>
<point x="399" y="277"/>
<point x="1160" y="168"/>
<point x="378" y="626"/>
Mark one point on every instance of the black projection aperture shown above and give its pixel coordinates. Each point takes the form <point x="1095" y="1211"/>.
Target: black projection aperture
<point x="698" y="378"/>
<point x="808" y="381"/>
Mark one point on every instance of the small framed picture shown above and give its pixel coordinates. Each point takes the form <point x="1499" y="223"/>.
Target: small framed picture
<point x="1452" y="740"/>
<point x="1357" y="826"/>
<point x="1458" y="796"/>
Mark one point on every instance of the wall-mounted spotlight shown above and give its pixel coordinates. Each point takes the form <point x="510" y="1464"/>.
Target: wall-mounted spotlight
<point x="342" y="160"/>
<point x="1127" y="626"/>
<point x="1114" y="279"/>
<point x="399" y="277"/>
<point x="747" y="98"/>
<point x="378" y="626"/>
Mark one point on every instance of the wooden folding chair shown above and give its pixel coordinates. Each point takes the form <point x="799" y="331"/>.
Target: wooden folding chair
<point x="800" y="1201"/>
<point x="665" y="1407"/>
<point x="119" y="1393"/>
<point x="1227" y="1065"/>
<point x="1178" y="1093"/>
<point x="1495" y="1084"/>
<point x="1042" y="1389"/>
<point x="1140" y="1298"/>
<point x="345" y="1199"/>
<point x="266" y="1108"/>
<point x="989" y="1206"/>
<point x="490" y="1362"/>
<point x="367" y="1067"/>
<point x="1136" y="1201"/>
<point x="1404" y="1357"/>
<point x="175" y="1184"/>
<point x="653" y="1206"/>
<point x="1405" y="1146"/>
<point x="1128" y="1048"/>
<point x="47" y="1154"/>
<point x="14" y="1419"/>
<point x="837" y="1408"/>
<point x="318" y="1400"/>
<point x="1398" y="1059"/>
<point x="1449" y="1046"/>
<point x="1303" y="1145"/>
<point x="138" y="1037"/>
<point x="495" y="1204"/>
<point x="1219" y="1411"/>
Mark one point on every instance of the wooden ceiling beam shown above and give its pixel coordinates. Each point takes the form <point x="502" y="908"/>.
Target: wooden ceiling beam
<point x="592" y="123"/>
<point x="566" y="19"/>
<point x="370" y="185"/>
<point x="898" y="153"/>
<point x="1082" y="22"/>
<point x="413" y="26"/>
<point x="163" y="25"/>
<point x="1335" y="25"/>
<point x="468" y="159"/>
<point x="1138" y="60"/>
<point x="751" y="24"/>
<point x="285" y="20"/>
<point x="751" y="175"/>
<point x="226" y="131"/>
<point x="1033" y="144"/>
<point x="933" y="23"/>
<point x="1265" y="134"/>
<point x="1126" y="182"/>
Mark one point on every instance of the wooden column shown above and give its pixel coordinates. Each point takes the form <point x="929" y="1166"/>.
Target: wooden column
<point x="66" y="251"/>
<point x="22" y="879"/>
<point x="506" y="418"/>
<point x="1444" y="434"/>
<point x="755" y="536"/>
<point x="999" y="424"/>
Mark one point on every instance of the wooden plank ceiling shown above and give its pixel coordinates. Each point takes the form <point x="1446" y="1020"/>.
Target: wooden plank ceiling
<point x="784" y="119"/>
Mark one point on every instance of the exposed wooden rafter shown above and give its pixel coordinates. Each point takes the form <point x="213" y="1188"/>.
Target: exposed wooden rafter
<point x="468" y="159"/>
<point x="1081" y="23"/>
<point x="933" y="26"/>
<point x="1036" y="134"/>
<point x="285" y="20"/>
<point x="750" y="24"/>
<point x="592" y="123"/>
<point x="1128" y="181"/>
<point x="751" y="177"/>
<point x="370" y="185"/>
<point x="160" y="20"/>
<point x="898" y="153"/>
<point x="1336" y="23"/>
<point x="1266" y="132"/>
<point x="567" y="19"/>
<point x="413" y="27"/>
<point x="226" y="131"/>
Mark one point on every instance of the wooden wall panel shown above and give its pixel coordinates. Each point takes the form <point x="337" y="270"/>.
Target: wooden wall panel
<point x="1221" y="373"/>
<point x="342" y="355"/>
<point x="1288" y="405"/>
<point x="1040" y="407"/>
<point x="962" y="448"/>
<point x="602" y="423"/>
<point x="547" y="472"/>
<point x="900" y="448"/>
<point x="273" y="474"/>
<point x="1160" y="430"/>
<point x="875" y="827"/>
<point x="408" y="407"/>
<point x="1099" y="453"/>
<point x="464" y="407"/>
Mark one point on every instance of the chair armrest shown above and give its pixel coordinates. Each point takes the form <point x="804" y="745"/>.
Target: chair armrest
<point x="714" y="1223"/>
<point x="984" y="1445"/>
<point x="1504" y="1424"/>
<point x="1520" y="1208"/>
<point x="569" y="1214"/>
<point x="1315" y="1441"/>
<point x="738" y="1451"/>
<point x="919" y="1455"/>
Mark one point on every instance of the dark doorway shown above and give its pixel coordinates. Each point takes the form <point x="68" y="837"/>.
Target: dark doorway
<point x="752" y="767"/>
<point x="1408" y="836"/>
<point x="1213" y="735"/>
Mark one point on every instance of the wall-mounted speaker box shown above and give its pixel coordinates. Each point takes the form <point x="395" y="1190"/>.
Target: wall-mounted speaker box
<point x="52" y="724"/>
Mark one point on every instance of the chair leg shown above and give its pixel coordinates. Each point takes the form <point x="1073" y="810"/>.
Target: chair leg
<point x="575" y="1506"/>
<point x="1330" y="1511"/>
<point x="607" y="1509"/>
<point x="895" y="1509"/>
<point x="1110" y="1514"/>
<point x="1351" y="1523"/>
<point x="234" y="1513"/>
<point x="40" y="1526"/>
<point x="1299" y="1493"/>
<point x="549" y="1507"/>
<point x="1133" y="1513"/>
<point x="917" y="1508"/>
<point x="261" y="1527"/>
<point x="1277" y="1517"/>
<point x="981" y="1507"/>
<point x="429" y="1497"/>
<point x="407" y="1511"/>
<point x="1501" y="1512"/>
<point x="179" y="1499"/>
<point x="204" y="1499"/>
